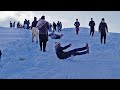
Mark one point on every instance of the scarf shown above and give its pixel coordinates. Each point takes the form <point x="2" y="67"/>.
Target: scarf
<point x="41" y="23"/>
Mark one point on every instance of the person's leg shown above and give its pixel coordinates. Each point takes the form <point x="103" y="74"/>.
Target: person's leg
<point x="41" y="45"/>
<point x="101" y="37"/>
<point x="76" y="31"/>
<point x="32" y="36"/>
<point x="44" y="46"/>
<point x="77" y="49"/>
<point x="80" y="53"/>
<point x="36" y="35"/>
<point x="92" y="32"/>
<point x="40" y="42"/>
<point x="104" y="38"/>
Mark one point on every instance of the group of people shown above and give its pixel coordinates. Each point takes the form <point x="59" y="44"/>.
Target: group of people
<point x="12" y="25"/>
<point x="40" y="29"/>
<point x="26" y="24"/>
<point x="103" y="29"/>
<point x="43" y="26"/>
<point x="57" y="26"/>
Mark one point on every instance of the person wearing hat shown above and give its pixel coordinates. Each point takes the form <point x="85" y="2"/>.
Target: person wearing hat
<point x="103" y="29"/>
<point x="77" y="51"/>
<point x="77" y="24"/>
<point x="0" y="54"/>
<point x="43" y="27"/>
<point x="34" y="30"/>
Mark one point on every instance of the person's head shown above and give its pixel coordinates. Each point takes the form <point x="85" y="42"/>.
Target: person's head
<point x="35" y="18"/>
<point x="103" y="19"/>
<point x="43" y="17"/>
<point x="77" y="20"/>
<point x="91" y="19"/>
<point x="57" y="44"/>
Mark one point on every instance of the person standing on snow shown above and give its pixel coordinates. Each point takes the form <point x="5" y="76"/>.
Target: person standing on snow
<point x="64" y="55"/>
<point x="50" y="27"/>
<point x="92" y="24"/>
<point x="54" y="26"/>
<point x="34" y="30"/>
<point x="25" y="24"/>
<point x="10" y="24"/>
<point x="77" y="24"/>
<point x="28" y="23"/>
<point x="43" y="27"/>
<point x="103" y="29"/>
<point x="14" y="25"/>
<point x="60" y="26"/>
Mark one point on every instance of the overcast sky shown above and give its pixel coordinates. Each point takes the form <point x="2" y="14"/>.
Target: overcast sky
<point x="66" y="17"/>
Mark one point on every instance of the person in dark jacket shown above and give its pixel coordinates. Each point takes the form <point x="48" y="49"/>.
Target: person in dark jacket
<point x="34" y="30"/>
<point x="14" y="25"/>
<point x="10" y="24"/>
<point x="0" y="54"/>
<point x="50" y="27"/>
<point x="103" y="29"/>
<point x="43" y="27"/>
<point x="54" y="26"/>
<point x="92" y="24"/>
<point x="64" y="55"/>
<point x="18" y="25"/>
<point x="77" y="24"/>
<point x="25" y="24"/>
<point x="28" y="24"/>
<point x="55" y="36"/>
<point x="58" y="26"/>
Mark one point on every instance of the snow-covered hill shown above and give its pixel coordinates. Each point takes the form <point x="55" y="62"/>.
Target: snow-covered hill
<point x="22" y="59"/>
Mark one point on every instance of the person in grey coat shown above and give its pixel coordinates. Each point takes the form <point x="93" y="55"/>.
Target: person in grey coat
<point x="43" y="27"/>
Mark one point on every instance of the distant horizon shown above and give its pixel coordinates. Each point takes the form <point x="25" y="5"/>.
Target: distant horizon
<point x="66" y="17"/>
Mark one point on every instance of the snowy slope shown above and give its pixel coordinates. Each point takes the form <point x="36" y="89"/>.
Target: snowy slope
<point x="22" y="59"/>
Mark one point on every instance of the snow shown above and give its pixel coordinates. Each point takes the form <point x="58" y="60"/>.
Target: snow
<point x="22" y="59"/>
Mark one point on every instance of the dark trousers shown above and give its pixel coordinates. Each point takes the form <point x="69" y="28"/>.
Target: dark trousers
<point x="43" y="45"/>
<point x="103" y="36"/>
<point x="77" y="30"/>
<point x="92" y="32"/>
<point x="43" y="40"/>
<point x="75" y="51"/>
<point x="54" y="29"/>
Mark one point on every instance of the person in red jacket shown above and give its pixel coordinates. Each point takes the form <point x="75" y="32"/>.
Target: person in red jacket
<point x="77" y="24"/>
